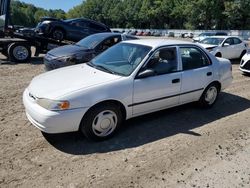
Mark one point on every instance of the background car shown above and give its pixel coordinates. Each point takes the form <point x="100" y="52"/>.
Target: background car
<point x="208" y="34"/>
<point x="71" y="29"/>
<point x="229" y="47"/>
<point x="245" y="64"/>
<point x="82" y="51"/>
<point x="129" y="79"/>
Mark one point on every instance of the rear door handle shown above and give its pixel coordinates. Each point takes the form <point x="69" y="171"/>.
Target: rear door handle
<point x="177" y="80"/>
<point x="209" y="74"/>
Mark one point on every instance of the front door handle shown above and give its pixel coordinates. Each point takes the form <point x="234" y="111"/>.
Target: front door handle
<point x="177" y="80"/>
<point x="209" y="74"/>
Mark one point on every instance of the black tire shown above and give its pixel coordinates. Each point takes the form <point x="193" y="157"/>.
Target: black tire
<point x="58" y="34"/>
<point x="218" y="54"/>
<point x="19" y="52"/>
<point x="106" y="115"/>
<point x="209" y="96"/>
<point x="243" y="53"/>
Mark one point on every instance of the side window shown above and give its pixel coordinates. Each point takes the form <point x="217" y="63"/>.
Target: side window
<point x="108" y="43"/>
<point x="193" y="58"/>
<point x="96" y="27"/>
<point x="229" y="41"/>
<point x="237" y="41"/>
<point x="163" y="61"/>
<point x="80" y="24"/>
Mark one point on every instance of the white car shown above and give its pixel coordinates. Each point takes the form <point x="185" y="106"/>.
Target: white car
<point x="204" y="35"/>
<point x="245" y="63"/>
<point x="130" y="79"/>
<point x="225" y="46"/>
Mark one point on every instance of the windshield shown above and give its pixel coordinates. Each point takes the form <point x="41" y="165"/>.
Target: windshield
<point x="91" y="41"/>
<point x="121" y="59"/>
<point x="206" y="34"/>
<point x="214" y="41"/>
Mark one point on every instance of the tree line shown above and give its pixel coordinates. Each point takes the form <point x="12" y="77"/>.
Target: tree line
<point x="157" y="14"/>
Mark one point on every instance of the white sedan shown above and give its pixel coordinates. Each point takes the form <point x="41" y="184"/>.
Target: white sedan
<point x="130" y="79"/>
<point x="229" y="47"/>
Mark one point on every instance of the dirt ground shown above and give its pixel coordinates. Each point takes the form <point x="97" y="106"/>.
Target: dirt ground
<point x="179" y="147"/>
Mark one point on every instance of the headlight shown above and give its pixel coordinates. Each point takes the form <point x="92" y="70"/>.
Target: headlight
<point x="64" y="59"/>
<point x="53" y="105"/>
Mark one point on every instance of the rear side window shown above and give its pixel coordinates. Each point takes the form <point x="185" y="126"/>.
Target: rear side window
<point x="237" y="41"/>
<point x="97" y="27"/>
<point x="193" y="58"/>
<point x="81" y="24"/>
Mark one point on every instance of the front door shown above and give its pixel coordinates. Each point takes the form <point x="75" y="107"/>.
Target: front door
<point x="162" y="89"/>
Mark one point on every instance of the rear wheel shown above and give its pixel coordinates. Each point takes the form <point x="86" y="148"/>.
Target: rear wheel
<point x="209" y="95"/>
<point x="19" y="52"/>
<point x="101" y="122"/>
<point x="58" y="34"/>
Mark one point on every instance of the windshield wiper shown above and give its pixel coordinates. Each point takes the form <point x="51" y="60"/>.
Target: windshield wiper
<point x="100" y="67"/>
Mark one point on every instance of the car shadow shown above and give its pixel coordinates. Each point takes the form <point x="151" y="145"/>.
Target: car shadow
<point x="152" y="127"/>
<point x="33" y="61"/>
<point x="235" y="61"/>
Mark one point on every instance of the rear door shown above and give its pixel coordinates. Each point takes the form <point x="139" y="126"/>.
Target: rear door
<point x="197" y="73"/>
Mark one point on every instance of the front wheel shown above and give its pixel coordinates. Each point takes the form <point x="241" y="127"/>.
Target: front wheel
<point x="209" y="96"/>
<point x="101" y="122"/>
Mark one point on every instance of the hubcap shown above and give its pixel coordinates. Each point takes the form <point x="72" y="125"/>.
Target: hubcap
<point x="104" y="123"/>
<point x="211" y="95"/>
<point x="20" y="53"/>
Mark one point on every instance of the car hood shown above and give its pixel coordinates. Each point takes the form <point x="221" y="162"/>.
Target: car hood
<point x="60" y="82"/>
<point x="207" y="46"/>
<point x="67" y="50"/>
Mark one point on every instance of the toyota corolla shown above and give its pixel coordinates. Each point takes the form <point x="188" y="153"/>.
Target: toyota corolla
<point x="129" y="79"/>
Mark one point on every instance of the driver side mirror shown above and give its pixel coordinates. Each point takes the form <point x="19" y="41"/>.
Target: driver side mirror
<point x="226" y="44"/>
<point x="145" y="73"/>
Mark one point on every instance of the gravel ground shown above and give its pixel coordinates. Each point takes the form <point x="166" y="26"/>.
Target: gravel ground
<point x="179" y="147"/>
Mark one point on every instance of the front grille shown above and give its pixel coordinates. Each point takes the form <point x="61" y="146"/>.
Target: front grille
<point x="247" y="65"/>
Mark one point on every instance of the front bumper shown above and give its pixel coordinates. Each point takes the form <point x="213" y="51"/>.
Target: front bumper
<point x="245" y="65"/>
<point x="53" y="64"/>
<point x="52" y="121"/>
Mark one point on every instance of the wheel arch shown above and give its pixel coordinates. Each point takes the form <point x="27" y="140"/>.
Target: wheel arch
<point x="216" y="82"/>
<point x="218" y="54"/>
<point x="108" y="102"/>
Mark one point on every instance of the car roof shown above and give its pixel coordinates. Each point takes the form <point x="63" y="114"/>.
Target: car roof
<point x="85" y="19"/>
<point x="111" y="34"/>
<point x="154" y="43"/>
<point x="223" y="37"/>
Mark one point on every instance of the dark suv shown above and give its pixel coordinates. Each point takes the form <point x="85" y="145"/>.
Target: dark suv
<point x="71" y="29"/>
